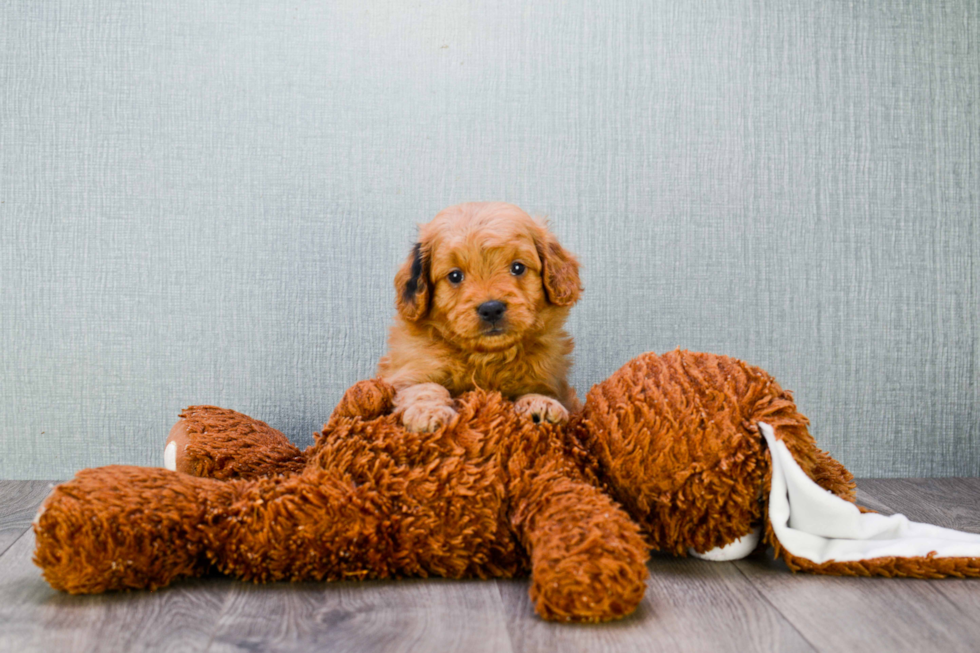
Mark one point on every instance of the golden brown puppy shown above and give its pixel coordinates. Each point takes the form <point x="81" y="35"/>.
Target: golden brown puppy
<point x="481" y="301"/>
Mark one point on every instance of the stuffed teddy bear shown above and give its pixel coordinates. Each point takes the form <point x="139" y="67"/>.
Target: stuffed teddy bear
<point x="685" y="453"/>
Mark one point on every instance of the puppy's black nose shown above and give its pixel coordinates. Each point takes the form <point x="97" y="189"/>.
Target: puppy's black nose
<point x="491" y="311"/>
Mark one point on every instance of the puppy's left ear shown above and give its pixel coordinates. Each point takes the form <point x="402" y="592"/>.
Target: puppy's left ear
<point x="559" y="273"/>
<point x="413" y="286"/>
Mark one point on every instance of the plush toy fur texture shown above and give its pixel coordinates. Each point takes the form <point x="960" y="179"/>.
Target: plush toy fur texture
<point x="489" y="495"/>
<point x="665" y="454"/>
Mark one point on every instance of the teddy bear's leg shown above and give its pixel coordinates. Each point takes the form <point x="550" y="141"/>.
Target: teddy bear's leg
<point x="119" y="527"/>
<point x="587" y="555"/>
<point x="219" y="443"/>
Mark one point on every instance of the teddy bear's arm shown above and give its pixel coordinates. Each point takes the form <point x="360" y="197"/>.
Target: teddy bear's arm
<point x="366" y="399"/>
<point x="117" y="527"/>
<point x="587" y="555"/>
<point x="219" y="443"/>
<point x="122" y="527"/>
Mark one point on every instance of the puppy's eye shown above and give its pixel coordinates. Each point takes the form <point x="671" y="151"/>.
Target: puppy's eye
<point x="517" y="268"/>
<point x="455" y="277"/>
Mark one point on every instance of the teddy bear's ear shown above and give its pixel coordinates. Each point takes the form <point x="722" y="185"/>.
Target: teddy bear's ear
<point x="413" y="285"/>
<point x="559" y="271"/>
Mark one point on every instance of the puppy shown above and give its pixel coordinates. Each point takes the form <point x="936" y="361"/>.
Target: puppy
<point x="482" y="300"/>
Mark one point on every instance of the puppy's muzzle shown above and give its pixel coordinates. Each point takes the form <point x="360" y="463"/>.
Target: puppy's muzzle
<point x="491" y="312"/>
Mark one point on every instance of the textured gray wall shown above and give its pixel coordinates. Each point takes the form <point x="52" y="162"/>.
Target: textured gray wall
<point x="205" y="202"/>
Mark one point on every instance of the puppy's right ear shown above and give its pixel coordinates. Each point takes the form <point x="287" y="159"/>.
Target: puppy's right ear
<point x="413" y="286"/>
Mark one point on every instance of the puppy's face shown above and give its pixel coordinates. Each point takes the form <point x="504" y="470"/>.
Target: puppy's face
<point x="485" y="276"/>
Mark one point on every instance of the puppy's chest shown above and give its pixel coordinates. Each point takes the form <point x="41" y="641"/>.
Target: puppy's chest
<point x="511" y="376"/>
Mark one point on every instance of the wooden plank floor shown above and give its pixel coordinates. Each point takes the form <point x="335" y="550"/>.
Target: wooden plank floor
<point x="750" y="605"/>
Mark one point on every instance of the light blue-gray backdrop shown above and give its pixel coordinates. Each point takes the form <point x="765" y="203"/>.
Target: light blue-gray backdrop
<point x="205" y="202"/>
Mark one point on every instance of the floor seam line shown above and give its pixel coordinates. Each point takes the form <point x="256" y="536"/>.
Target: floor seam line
<point x="217" y="621"/>
<point x="774" y="607"/>
<point x="15" y="541"/>
<point x="503" y="615"/>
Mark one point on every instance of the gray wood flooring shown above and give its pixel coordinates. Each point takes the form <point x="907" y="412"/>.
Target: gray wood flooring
<point x="690" y="605"/>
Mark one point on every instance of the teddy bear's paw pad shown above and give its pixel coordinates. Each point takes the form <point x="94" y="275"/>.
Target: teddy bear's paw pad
<point x="540" y="408"/>
<point x="424" y="418"/>
<point x="174" y="453"/>
<point x="41" y="509"/>
<point x="170" y="457"/>
<point x="36" y="522"/>
<point x="736" y="550"/>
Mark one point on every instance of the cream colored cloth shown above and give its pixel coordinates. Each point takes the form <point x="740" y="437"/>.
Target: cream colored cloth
<point x="815" y="524"/>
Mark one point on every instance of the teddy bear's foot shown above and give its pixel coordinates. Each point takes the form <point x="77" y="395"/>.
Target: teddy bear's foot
<point x="219" y="443"/>
<point x="736" y="550"/>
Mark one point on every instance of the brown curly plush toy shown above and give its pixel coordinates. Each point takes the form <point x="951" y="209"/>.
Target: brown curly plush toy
<point x="684" y="453"/>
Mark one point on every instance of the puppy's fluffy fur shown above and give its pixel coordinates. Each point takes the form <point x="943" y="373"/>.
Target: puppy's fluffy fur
<point x="449" y="335"/>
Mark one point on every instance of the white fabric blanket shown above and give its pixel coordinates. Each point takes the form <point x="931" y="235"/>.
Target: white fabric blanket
<point x="812" y="523"/>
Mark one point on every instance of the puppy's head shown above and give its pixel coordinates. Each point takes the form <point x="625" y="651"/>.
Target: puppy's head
<point x="486" y="275"/>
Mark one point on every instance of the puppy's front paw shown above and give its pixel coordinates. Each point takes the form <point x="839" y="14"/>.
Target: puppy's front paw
<point x="423" y="418"/>
<point x="424" y="407"/>
<point x="541" y="409"/>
